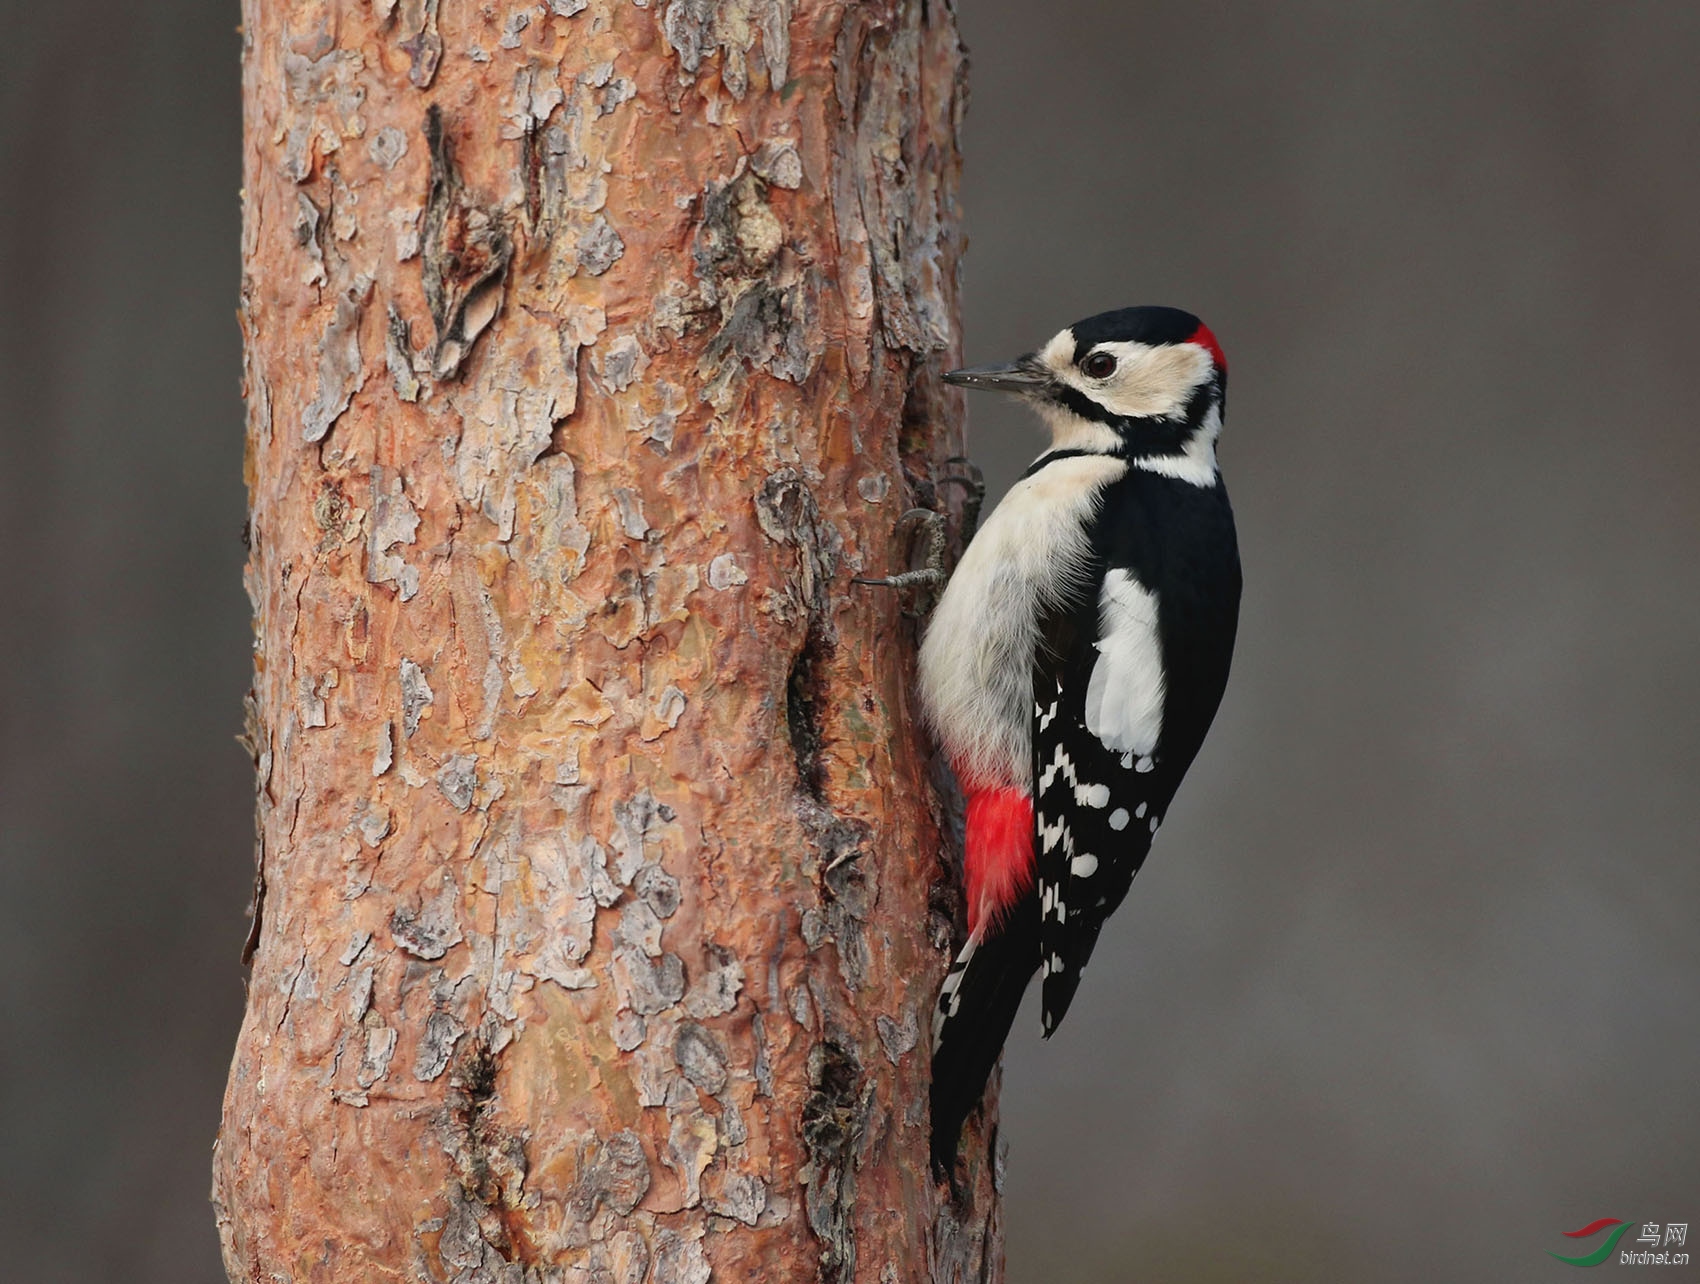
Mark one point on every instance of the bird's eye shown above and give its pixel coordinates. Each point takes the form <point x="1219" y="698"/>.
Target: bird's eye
<point x="1100" y="365"/>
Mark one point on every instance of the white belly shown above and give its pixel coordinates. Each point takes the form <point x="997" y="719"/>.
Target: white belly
<point x="977" y="658"/>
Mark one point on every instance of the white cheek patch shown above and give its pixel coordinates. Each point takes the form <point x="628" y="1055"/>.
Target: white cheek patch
<point x="1149" y="381"/>
<point x="1124" y="696"/>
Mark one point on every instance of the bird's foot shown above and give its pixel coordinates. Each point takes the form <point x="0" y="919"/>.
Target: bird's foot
<point x="929" y="526"/>
<point x="973" y="482"/>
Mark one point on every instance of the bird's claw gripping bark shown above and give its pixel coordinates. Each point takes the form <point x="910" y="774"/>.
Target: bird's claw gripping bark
<point x="931" y="571"/>
<point x="973" y="482"/>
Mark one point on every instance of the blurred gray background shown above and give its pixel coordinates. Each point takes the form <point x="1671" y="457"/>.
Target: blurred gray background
<point x="1409" y="985"/>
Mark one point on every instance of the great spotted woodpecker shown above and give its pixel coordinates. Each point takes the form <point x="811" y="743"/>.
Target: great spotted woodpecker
<point x="1074" y="663"/>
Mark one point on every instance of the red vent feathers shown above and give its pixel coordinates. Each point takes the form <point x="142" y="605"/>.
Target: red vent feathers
<point x="1000" y="853"/>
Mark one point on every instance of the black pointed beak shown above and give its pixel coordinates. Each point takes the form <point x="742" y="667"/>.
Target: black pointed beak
<point x="1025" y="375"/>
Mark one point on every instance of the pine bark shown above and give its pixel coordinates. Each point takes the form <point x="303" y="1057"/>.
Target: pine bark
<point x="604" y="875"/>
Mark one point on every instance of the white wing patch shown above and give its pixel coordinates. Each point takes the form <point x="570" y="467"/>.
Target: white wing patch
<point x="1124" y="696"/>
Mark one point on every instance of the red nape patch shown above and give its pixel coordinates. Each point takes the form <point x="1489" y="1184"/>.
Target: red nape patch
<point x="1000" y="853"/>
<point x="1204" y="339"/>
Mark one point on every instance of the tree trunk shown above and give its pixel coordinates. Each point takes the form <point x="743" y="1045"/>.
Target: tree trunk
<point x="604" y="887"/>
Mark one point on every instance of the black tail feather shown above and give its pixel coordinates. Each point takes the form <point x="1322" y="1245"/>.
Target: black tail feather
<point x="970" y="1040"/>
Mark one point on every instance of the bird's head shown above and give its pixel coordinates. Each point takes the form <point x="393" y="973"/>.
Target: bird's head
<point x="1147" y="384"/>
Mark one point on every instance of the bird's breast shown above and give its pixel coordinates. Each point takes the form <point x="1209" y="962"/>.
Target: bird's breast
<point x="976" y="667"/>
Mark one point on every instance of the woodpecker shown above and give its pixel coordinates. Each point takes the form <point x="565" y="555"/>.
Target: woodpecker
<point x="1073" y="664"/>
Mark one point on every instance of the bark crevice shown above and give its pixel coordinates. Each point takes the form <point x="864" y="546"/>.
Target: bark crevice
<point x="805" y="688"/>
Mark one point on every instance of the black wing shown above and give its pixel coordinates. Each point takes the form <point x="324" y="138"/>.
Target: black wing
<point x="1125" y="687"/>
<point x="1099" y="789"/>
